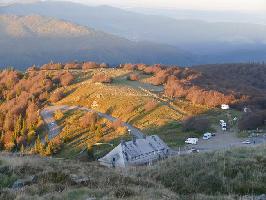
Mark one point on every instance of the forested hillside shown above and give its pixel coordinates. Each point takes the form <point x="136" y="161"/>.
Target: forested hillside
<point x="23" y="95"/>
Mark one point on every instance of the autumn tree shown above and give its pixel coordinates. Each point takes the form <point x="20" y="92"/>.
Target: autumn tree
<point x="66" y="79"/>
<point x="133" y="77"/>
<point x="101" y="78"/>
<point x="150" y="105"/>
<point x="56" y="96"/>
<point x="89" y="119"/>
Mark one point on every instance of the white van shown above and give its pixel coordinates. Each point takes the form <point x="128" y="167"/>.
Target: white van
<point x="225" y="107"/>
<point x="207" y="136"/>
<point x="191" y="141"/>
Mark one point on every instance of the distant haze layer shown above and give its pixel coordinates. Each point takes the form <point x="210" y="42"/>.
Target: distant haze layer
<point x="184" y="4"/>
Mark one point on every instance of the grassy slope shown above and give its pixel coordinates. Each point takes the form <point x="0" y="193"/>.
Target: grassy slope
<point x="217" y="175"/>
<point x="77" y="138"/>
<point x="125" y="100"/>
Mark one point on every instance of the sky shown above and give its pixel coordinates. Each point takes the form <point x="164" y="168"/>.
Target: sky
<point x="239" y="5"/>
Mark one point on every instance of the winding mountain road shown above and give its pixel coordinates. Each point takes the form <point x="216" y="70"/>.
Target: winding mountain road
<point x="54" y="130"/>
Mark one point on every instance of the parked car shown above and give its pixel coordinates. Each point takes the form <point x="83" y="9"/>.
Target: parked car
<point x="225" y="107"/>
<point x="213" y="134"/>
<point x="207" y="136"/>
<point x="192" y="141"/>
<point x="224" y="126"/>
<point x="246" y="142"/>
<point x="193" y="150"/>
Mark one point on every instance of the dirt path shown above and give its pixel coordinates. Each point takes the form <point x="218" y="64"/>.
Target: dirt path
<point x="53" y="129"/>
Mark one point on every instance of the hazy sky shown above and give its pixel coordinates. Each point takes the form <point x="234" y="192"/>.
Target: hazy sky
<point x="240" y="5"/>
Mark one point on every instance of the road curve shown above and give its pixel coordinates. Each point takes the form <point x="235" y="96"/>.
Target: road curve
<point x="54" y="130"/>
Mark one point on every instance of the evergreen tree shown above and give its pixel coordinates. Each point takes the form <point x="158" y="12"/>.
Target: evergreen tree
<point x="38" y="147"/>
<point x="1" y="141"/>
<point x="18" y="126"/>
<point x="46" y="139"/>
<point x="22" y="149"/>
<point x="23" y="128"/>
<point x="98" y="133"/>
<point x="90" y="152"/>
<point x="49" y="149"/>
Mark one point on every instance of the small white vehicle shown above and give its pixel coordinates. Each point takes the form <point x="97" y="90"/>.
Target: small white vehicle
<point x="224" y="126"/>
<point x="207" y="136"/>
<point x="225" y="107"/>
<point x="192" y="141"/>
<point x="193" y="150"/>
<point x="246" y="142"/>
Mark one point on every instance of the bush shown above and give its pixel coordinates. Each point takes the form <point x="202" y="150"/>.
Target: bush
<point x="58" y="114"/>
<point x="89" y="119"/>
<point x="66" y="79"/>
<point x="251" y="121"/>
<point x="151" y="105"/>
<point x="89" y="65"/>
<point x="117" y="124"/>
<point x="122" y="192"/>
<point x="52" y="66"/>
<point x="129" y="66"/>
<point x="72" y="66"/>
<point x="198" y="123"/>
<point x="101" y="78"/>
<point x="133" y="77"/>
<point x="56" y="96"/>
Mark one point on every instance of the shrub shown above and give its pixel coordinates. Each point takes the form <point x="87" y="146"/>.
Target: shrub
<point x="151" y="105"/>
<point x="122" y="192"/>
<point x="159" y="78"/>
<point x="56" y="96"/>
<point x="198" y="123"/>
<point x="58" y="114"/>
<point x="72" y="66"/>
<point x="89" y="65"/>
<point x="251" y="121"/>
<point x="104" y="65"/>
<point x="117" y="124"/>
<point x="52" y="66"/>
<point x="89" y="119"/>
<point x="129" y="66"/>
<point x="66" y="79"/>
<point x="133" y="77"/>
<point x="101" y="78"/>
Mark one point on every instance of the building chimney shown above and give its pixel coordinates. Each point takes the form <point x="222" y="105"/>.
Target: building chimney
<point x="123" y="142"/>
<point x="134" y="139"/>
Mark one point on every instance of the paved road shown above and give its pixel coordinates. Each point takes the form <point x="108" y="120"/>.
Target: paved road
<point x="222" y="141"/>
<point x="53" y="129"/>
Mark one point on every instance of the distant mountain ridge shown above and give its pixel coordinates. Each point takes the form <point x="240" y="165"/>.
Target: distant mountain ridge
<point x="30" y="26"/>
<point x="28" y="40"/>
<point x="213" y="42"/>
<point x="193" y="35"/>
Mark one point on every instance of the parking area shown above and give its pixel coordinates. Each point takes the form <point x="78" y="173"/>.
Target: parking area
<point x="224" y="140"/>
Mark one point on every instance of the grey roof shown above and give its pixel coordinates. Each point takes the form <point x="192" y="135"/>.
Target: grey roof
<point x="140" y="149"/>
<point x="144" y="146"/>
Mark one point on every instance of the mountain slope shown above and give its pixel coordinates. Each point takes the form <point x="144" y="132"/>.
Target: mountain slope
<point x="36" y="40"/>
<point x="193" y="35"/>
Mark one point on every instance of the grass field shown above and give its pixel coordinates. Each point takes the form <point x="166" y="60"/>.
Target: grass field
<point x="126" y="100"/>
